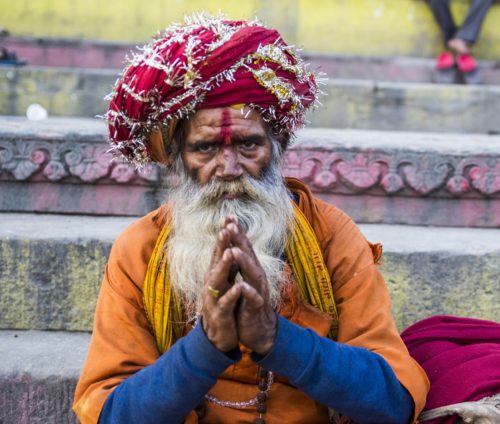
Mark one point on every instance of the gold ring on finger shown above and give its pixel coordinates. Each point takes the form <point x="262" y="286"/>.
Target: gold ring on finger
<point x="213" y="292"/>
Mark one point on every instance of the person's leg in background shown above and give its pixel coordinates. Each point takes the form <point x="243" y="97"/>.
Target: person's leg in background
<point x="442" y="14"/>
<point x="466" y="36"/>
<point x="469" y="30"/>
<point x="445" y="62"/>
<point x="459" y="39"/>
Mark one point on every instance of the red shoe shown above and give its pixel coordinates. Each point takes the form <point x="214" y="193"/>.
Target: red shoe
<point x="466" y="63"/>
<point x="444" y="61"/>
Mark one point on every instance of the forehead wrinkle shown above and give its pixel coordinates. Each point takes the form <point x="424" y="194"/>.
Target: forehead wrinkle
<point x="207" y="125"/>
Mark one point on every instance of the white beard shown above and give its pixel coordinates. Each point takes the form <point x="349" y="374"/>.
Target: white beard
<point x="263" y="208"/>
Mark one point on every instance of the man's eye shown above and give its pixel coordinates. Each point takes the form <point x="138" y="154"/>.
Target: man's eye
<point x="205" y="148"/>
<point x="248" y="144"/>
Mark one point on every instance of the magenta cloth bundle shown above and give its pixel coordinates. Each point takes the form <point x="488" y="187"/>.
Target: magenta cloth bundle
<point x="461" y="357"/>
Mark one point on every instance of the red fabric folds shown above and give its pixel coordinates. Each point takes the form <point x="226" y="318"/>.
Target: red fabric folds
<point x="461" y="357"/>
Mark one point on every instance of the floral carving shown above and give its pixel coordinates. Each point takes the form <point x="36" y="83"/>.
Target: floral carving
<point x="21" y="159"/>
<point x="392" y="182"/>
<point x="359" y="173"/>
<point x="346" y="170"/>
<point x="89" y="163"/>
<point x="486" y="179"/>
<point x="458" y="184"/>
<point x="397" y="172"/>
<point x="54" y="171"/>
<point x="426" y="176"/>
<point x="122" y="173"/>
<point x="56" y="161"/>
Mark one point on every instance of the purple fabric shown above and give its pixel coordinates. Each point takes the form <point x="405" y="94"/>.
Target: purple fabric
<point x="461" y="357"/>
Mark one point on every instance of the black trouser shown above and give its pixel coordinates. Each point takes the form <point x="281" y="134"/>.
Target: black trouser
<point x="469" y="30"/>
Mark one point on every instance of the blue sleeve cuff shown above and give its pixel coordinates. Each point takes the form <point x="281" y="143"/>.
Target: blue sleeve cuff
<point x="292" y="342"/>
<point x="171" y="387"/>
<point x="352" y="380"/>
<point x="206" y="356"/>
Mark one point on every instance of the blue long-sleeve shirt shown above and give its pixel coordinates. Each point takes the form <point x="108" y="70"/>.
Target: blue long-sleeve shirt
<point x="352" y="380"/>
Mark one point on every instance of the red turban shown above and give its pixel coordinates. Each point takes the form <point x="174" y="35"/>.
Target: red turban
<point x="208" y="62"/>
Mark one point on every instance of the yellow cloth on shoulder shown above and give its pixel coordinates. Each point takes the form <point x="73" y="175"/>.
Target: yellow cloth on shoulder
<point x="163" y="306"/>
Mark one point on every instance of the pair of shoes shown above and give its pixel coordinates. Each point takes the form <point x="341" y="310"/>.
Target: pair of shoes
<point x="465" y="62"/>
<point x="446" y="69"/>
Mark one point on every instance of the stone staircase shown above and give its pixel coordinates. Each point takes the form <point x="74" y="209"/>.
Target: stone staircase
<point x="350" y="103"/>
<point x="416" y="164"/>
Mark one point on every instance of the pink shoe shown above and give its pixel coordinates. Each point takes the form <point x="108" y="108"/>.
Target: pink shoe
<point x="466" y="63"/>
<point x="445" y="60"/>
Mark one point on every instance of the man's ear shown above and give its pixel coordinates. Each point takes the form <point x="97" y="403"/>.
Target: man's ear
<point x="284" y="141"/>
<point x="157" y="147"/>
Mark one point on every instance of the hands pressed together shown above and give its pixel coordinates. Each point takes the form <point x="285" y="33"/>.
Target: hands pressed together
<point x="237" y="312"/>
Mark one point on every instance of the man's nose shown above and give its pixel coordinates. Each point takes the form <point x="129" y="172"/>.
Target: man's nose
<point x="229" y="166"/>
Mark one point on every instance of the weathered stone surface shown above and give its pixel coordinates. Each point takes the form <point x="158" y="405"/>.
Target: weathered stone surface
<point x="76" y="53"/>
<point x="431" y="271"/>
<point x="53" y="267"/>
<point x="392" y="68"/>
<point x="62" y="165"/>
<point x="62" y="91"/>
<point x="38" y="373"/>
<point x="395" y="177"/>
<point x="349" y="104"/>
<point x="358" y="104"/>
<point x="110" y="55"/>
<point x="363" y="27"/>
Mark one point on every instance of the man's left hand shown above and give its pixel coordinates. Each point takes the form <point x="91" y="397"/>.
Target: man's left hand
<point x="256" y="318"/>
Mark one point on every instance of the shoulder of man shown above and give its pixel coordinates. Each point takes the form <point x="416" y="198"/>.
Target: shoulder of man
<point x="131" y="251"/>
<point x="343" y="245"/>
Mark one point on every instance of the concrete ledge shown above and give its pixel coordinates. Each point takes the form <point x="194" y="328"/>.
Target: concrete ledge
<point x="394" y="68"/>
<point x="62" y="91"/>
<point x="432" y="271"/>
<point x="365" y="27"/>
<point x="61" y="165"/>
<point x="79" y="53"/>
<point x="51" y="279"/>
<point x="38" y="374"/>
<point x="52" y="269"/>
<point x="349" y="104"/>
<point x="358" y="104"/>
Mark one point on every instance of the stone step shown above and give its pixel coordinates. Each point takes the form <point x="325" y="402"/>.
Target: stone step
<point x="363" y="27"/>
<point x="350" y="103"/>
<point x="60" y="165"/>
<point x="393" y="68"/>
<point x="78" y="53"/>
<point x="52" y="268"/>
<point x="38" y="375"/>
<point x="395" y="106"/>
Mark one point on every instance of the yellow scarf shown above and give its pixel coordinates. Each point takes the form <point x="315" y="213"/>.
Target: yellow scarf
<point x="163" y="306"/>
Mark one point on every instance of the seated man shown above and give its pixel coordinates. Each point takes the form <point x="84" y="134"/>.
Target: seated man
<point x="244" y="298"/>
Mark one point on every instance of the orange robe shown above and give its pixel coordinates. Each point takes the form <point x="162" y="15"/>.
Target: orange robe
<point x="122" y="343"/>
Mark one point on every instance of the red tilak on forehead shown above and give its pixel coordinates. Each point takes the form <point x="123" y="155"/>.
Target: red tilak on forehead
<point x="225" y="129"/>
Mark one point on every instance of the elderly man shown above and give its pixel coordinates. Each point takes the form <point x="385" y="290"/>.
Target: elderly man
<point x="243" y="299"/>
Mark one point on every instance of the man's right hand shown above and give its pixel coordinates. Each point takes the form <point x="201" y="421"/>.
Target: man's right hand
<point x="218" y="312"/>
